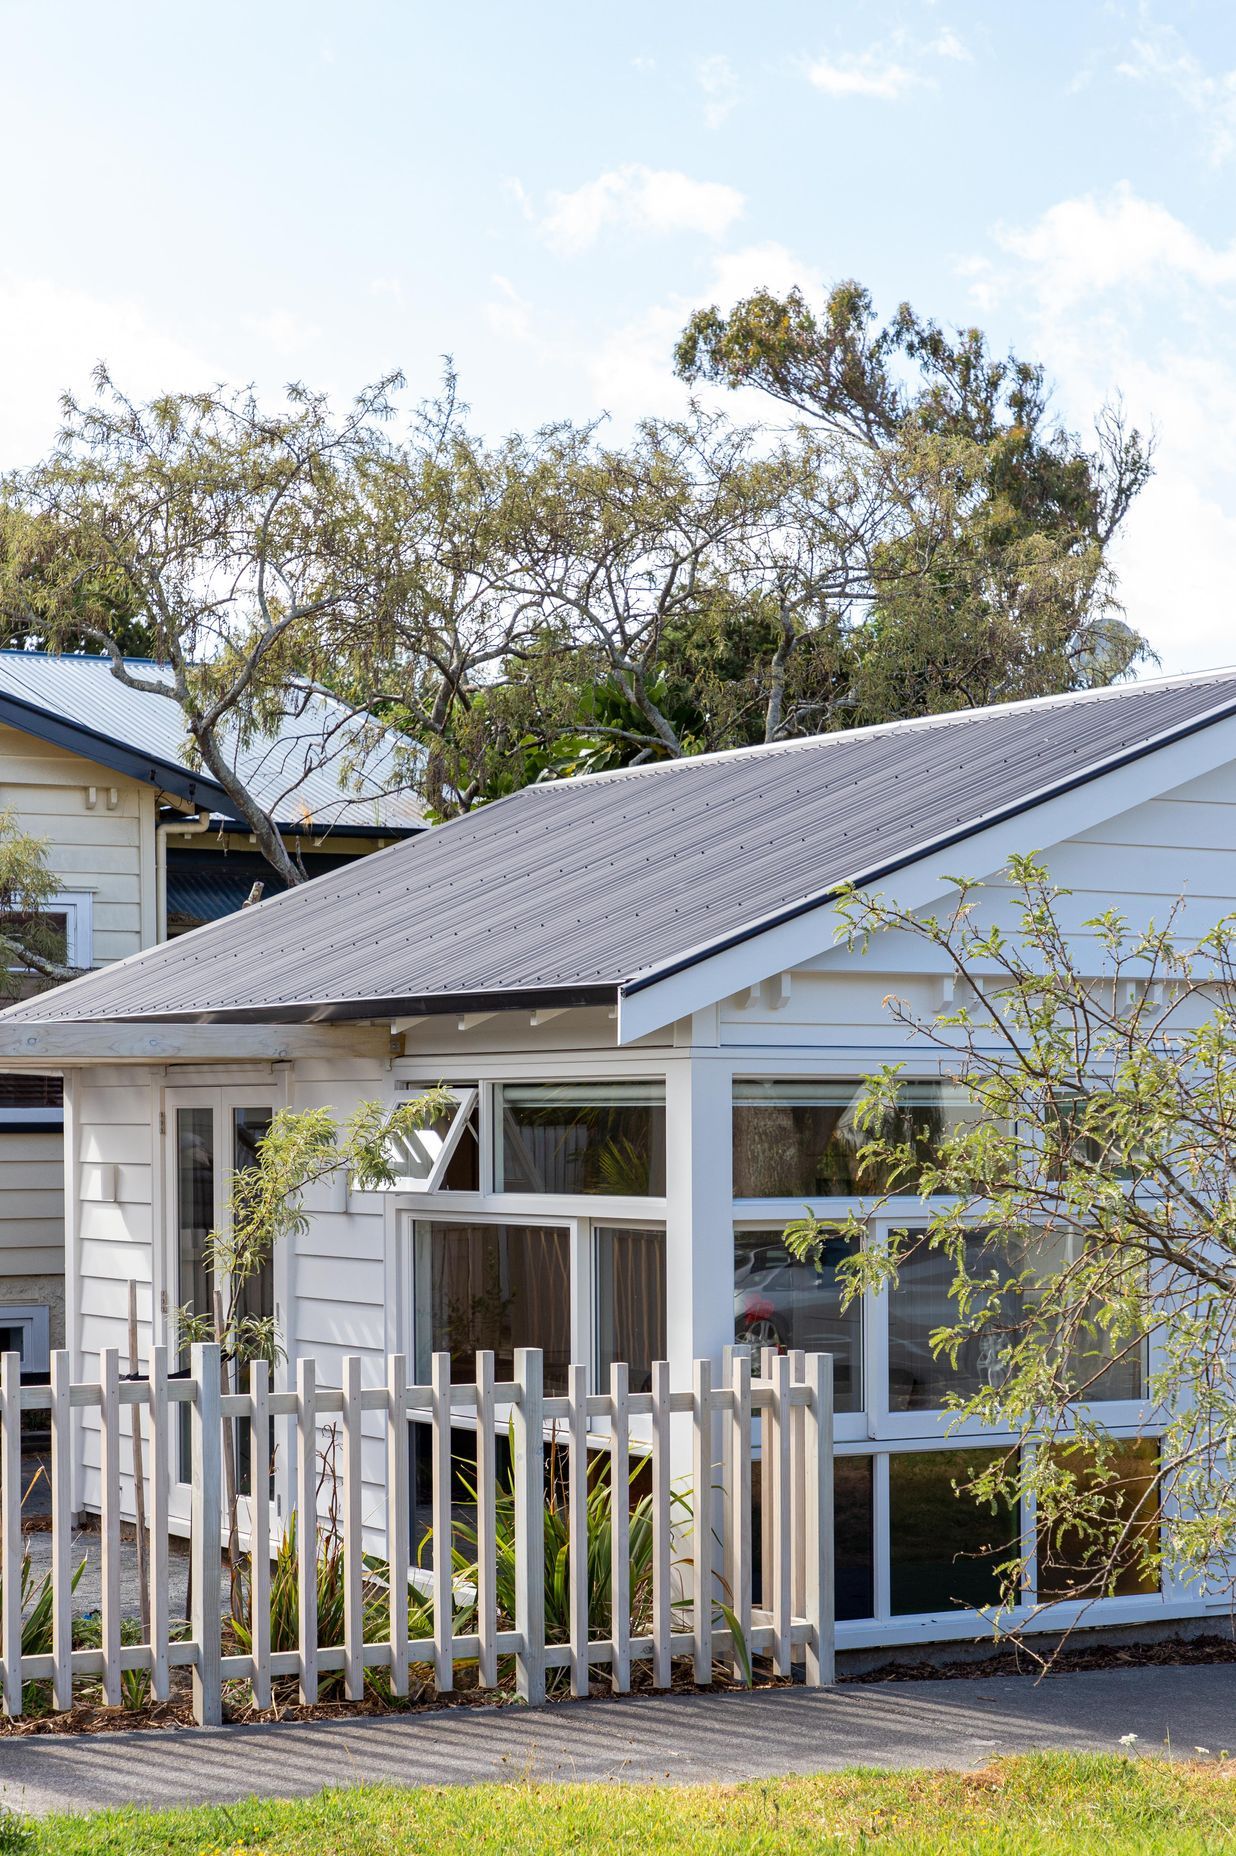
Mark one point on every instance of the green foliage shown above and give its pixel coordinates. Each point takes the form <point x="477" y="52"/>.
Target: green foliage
<point x="977" y="531"/>
<point x="266" y="1202"/>
<point x="1088" y="1216"/>
<point x="332" y="1599"/>
<point x="36" y="1629"/>
<point x="16" y="1835"/>
<point x="1042" y="1804"/>
<point x="32" y="947"/>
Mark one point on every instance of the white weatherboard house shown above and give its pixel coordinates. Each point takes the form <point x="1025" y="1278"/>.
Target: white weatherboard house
<point x="143" y="845"/>
<point x="634" y="985"/>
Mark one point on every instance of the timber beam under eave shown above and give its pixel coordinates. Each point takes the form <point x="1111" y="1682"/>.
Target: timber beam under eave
<point x="27" y="1046"/>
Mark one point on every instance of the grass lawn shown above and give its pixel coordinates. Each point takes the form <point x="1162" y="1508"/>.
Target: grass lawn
<point x="1033" y="1806"/>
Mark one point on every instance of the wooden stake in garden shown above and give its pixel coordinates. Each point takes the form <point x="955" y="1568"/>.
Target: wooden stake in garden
<point x="139" y="1475"/>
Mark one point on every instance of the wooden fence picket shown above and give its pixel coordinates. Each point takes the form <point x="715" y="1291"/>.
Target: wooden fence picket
<point x="792" y="1395"/>
<point x="10" y="1529"/>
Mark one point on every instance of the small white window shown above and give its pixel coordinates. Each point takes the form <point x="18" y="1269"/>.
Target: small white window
<point x="443" y="1156"/>
<point x="26" y="1329"/>
<point x="68" y="918"/>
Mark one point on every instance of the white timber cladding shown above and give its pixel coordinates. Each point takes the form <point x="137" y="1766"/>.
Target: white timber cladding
<point x="347" y="1288"/>
<point x="100" y="832"/>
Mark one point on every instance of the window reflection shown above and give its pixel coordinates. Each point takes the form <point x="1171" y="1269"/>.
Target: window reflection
<point x="581" y="1137"/>
<point x="800" y="1139"/>
<point x="782" y="1301"/>
<point x="1070" y="1561"/>
<point x="631" y="1302"/>
<point x="493" y="1287"/>
<point x="922" y="1301"/>
<point x="944" y="1546"/>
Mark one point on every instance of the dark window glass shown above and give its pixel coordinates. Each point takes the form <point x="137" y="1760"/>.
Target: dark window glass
<point x="257" y="1296"/>
<point x="852" y="1498"/>
<point x="921" y="1302"/>
<point x="781" y="1301"/>
<point x="495" y="1287"/>
<point x="195" y="1217"/>
<point x="1070" y="1563"/>
<point x="17" y="1091"/>
<point x="852" y="1536"/>
<point x="581" y="1137"/>
<point x="631" y="1302"/>
<point x="944" y="1547"/>
<point x="799" y="1139"/>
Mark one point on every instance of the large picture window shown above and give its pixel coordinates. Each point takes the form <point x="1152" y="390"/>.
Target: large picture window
<point x="922" y="1301"/>
<point x="783" y="1301"/>
<point x="800" y="1139"/>
<point x="586" y="1138"/>
<point x="493" y="1287"/>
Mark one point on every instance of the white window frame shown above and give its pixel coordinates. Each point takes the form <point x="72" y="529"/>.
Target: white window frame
<point x="34" y="1320"/>
<point x="77" y="907"/>
<point x="221" y="1099"/>
<point x="878" y="1433"/>
<point x="465" y="1098"/>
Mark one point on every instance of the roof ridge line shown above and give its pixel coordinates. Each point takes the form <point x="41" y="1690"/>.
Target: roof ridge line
<point x="1109" y="692"/>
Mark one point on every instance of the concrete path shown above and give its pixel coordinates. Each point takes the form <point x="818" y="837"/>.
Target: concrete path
<point x="655" y="1738"/>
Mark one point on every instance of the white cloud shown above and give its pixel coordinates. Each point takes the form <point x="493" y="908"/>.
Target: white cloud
<point x="1160" y="56"/>
<point x="639" y="199"/>
<point x="283" y="332"/>
<point x="885" y="72"/>
<point x="1119" y="296"/>
<point x="718" y="80"/>
<point x="51" y="337"/>
<point x="863" y="74"/>
<point x="508" y="313"/>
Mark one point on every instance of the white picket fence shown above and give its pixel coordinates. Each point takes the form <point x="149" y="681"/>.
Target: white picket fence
<point x="701" y="1523"/>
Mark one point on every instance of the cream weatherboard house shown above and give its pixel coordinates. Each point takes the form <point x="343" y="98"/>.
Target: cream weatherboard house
<point x="634" y="986"/>
<point x="144" y="846"/>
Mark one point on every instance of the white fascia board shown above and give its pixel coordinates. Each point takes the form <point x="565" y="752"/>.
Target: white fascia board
<point x="916" y="884"/>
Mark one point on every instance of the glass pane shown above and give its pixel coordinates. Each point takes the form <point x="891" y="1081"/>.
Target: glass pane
<point x="581" y="1137"/>
<point x="1068" y="1564"/>
<point x="944" y="1547"/>
<point x="419" y="1152"/>
<point x="631" y="1302"/>
<point x="256" y="1297"/>
<point x="497" y="1287"/>
<point x="852" y="1499"/>
<point x="781" y="1301"/>
<point x="799" y="1139"/>
<point x="195" y="1206"/>
<point x="921" y="1302"/>
<point x="195" y="1217"/>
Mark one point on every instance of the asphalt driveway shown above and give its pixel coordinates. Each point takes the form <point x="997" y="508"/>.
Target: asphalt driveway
<point x="657" y="1739"/>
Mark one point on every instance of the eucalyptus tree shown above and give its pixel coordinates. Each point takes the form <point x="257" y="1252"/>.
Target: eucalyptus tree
<point x="981" y="529"/>
<point x="1085" y="1212"/>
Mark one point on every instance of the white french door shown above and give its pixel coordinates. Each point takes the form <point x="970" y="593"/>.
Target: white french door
<point x="211" y="1134"/>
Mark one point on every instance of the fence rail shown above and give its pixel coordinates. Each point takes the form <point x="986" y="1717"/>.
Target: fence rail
<point x="697" y="1601"/>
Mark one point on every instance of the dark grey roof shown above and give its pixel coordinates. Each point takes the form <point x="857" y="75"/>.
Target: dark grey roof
<point x="301" y="775"/>
<point x="569" y="892"/>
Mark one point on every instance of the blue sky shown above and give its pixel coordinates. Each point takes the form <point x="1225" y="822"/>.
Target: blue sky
<point x="271" y="191"/>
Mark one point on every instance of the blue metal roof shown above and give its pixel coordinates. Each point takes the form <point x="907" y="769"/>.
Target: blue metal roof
<point x="302" y="776"/>
<point x="575" y="891"/>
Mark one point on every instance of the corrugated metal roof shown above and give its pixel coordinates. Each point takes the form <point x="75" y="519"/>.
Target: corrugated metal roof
<point x="302" y="775"/>
<point x="572" y="890"/>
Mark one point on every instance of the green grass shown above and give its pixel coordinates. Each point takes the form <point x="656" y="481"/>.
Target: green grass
<point x="1034" y="1806"/>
